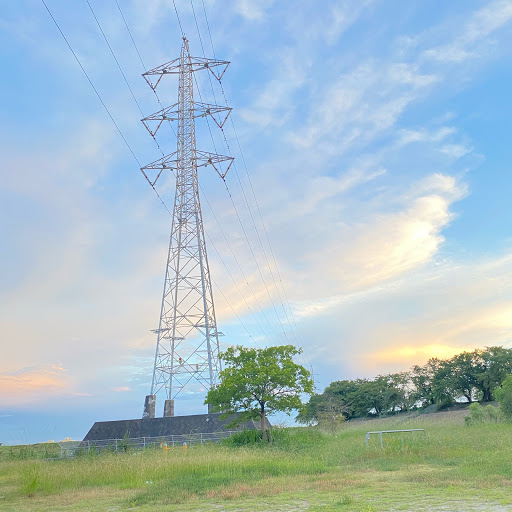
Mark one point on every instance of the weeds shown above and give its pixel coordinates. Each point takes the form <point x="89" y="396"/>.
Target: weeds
<point x="449" y="461"/>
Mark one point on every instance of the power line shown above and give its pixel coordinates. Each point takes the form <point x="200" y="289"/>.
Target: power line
<point x="233" y="309"/>
<point x="243" y="229"/>
<point x="131" y="37"/>
<point x="123" y="137"/>
<point x="115" y="58"/>
<point x="231" y="197"/>
<point x="241" y="271"/>
<point x="236" y="169"/>
<point x="144" y="69"/>
<point x="178" y="16"/>
<point x="208" y="26"/>
<point x="254" y="194"/>
<point x="121" y="69"/>
<point x="142" y="62"/>
<point x="92" y="85"/>
<point x="244" y="232"/>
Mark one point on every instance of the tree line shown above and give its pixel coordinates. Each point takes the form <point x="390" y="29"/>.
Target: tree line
<point x="468" y="376"/>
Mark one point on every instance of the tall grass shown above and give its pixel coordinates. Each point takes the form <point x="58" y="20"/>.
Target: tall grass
<point x="450" y="456"/>
<point x="172" y="475"/>
<point x="33" y="451"/>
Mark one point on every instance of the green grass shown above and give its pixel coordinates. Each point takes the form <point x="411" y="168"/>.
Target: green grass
<point x="33" y="451"/>
<point x="468" y="467"/>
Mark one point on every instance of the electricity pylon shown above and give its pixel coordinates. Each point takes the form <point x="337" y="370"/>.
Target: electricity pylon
<point x="187" y="346"/>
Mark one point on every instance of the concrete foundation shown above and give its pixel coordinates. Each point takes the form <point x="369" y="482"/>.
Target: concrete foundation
<point x="149" y="406"/>
<point x="169" y="408"/>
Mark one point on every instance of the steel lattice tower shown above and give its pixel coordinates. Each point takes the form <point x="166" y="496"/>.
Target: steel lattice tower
<point x="187" y="346"/>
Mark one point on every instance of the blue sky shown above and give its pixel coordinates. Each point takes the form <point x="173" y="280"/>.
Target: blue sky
<point x="377" y="139"/>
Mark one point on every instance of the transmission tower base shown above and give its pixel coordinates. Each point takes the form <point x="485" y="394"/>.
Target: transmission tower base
<point x="169" y="408"/>
<point x="149" y="406"/>
<point x="167" y="426"/>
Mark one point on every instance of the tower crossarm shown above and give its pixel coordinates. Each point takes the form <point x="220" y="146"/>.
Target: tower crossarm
<point x="216" y="67"/>
<point x="171" y="162"/>
<point x="218" y="113"/>
<point x="158" y="166"/>
<point x="205" y="158"/>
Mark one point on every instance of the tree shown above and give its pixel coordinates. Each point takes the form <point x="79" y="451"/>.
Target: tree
<point x="259" y="382"/>
<point x="422" y="378"/>
<point x="494" y="364"/>
<point x="400" y="395"/>
<point x="456" y="377"/>
<point x="308" y="415"/>
<point x="344" y="391"/>
<point x="330" y="413"/>
<point x="336" y="395"/>
<point x="326" y="410"/>
<point x="372" y="397"/>
<point x="359" y="398"/>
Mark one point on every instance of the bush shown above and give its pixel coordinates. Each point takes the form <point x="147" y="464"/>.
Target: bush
<point x="504" y="396"/>
<point x="243" y="438"/>
<point x="288" y="439"/>
<point x="479" y="414"/>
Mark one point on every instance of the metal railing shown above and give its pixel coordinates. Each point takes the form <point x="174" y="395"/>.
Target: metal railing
<point x="72" y="448"/>
<point x="380" y="432"/>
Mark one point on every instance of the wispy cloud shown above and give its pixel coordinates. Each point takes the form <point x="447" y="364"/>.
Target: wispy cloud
<point x="475" y="33"/>
<point x="437" y="312"/>
<point x="252" y="11"/>
<point x="274" y="104"/>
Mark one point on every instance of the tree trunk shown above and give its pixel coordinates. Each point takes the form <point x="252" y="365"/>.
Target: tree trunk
<point x="263" y="421"/>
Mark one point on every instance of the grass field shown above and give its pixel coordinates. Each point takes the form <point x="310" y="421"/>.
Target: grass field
<point x="451" y="468"/>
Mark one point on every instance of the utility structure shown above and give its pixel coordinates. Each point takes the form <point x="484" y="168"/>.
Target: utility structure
<point x="187" y="345"/>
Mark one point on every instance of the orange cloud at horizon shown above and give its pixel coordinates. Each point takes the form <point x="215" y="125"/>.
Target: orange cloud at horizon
<point x="418" y="355"/>
<point x="26" y="385"/>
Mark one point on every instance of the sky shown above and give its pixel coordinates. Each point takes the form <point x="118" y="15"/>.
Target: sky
<point x="372" y="182"/>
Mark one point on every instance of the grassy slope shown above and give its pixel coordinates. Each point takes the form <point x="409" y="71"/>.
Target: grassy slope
<point x="462" y="468"/>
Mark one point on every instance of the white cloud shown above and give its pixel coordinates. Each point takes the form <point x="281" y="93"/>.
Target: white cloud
<point x="342" y="15"/>
<point x="408" y="136"/>
<point x="360" y="105"/>
<point x="309" y="23"/>
<point x="389" y="245"/>
<point x="455" y="151"/>
<point x="476" y="30"/>
<point x="436" y="312"/>
<point x="252" y="11"/>
<point x="274" y="104"/>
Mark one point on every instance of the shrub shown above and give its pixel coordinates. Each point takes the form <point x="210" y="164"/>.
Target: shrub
<point x="504" y="396"/>
<point x="244" y="438"/>
<point x="479" y="414"/>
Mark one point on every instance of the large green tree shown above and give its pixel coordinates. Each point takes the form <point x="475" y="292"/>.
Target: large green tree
<point x="493" y="364"/>
<point x="375" y="397"/>
<point x="259" y="382"/>
<point x="422" y="379"/>
<point x="359" y="398"/>
<point x="456" y="377"/>
<point x="343" y="391"/>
